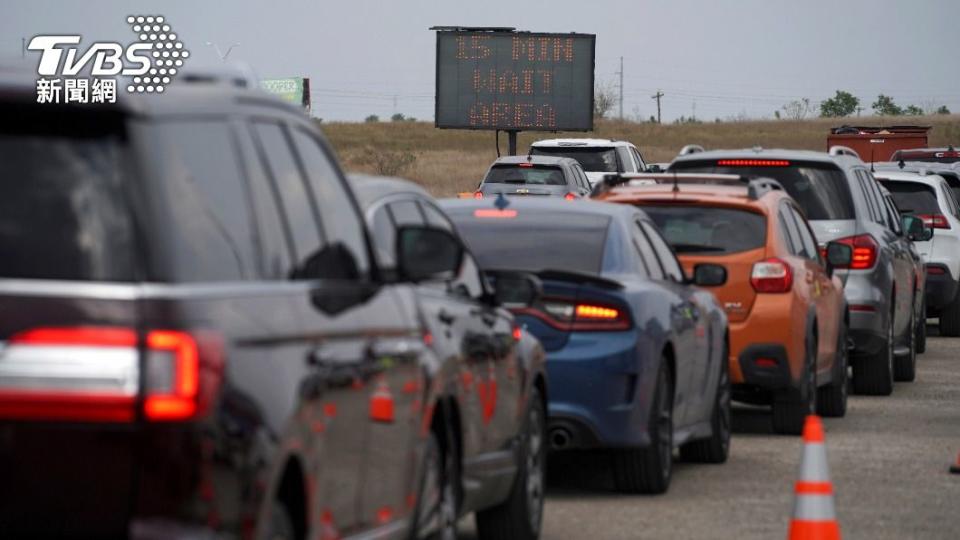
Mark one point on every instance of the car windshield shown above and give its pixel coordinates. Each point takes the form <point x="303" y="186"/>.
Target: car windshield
<point x="62" y="206"/>
<point x="591" y="158"/>
<point x="709" y="230"/>
<point x="913" y="197"/>
<point x="541" y="175"/>
<point x="535" y="241"/>
<point x="821" y="189"/>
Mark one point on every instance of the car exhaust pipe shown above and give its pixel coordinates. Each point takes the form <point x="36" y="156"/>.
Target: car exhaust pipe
<point x="559" y="438"/>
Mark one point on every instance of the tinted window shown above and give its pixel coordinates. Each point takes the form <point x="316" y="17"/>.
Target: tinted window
<point x="406" y="213"/>
<point x="275" y="247"/>
<point x="638" y="158"/>
<point x="648" y="257"/>
<point x="384" y="237"/>
<point x="913" y="197"/>
<point x="62" y="206"/>
<point x="893" y="215"/>
<point x="293" y="194"/>
<point x="792" y="232"/>
<point x="667" y="259"/>
<point x="535" y="241"/>
<point x="874" y="189"/>
<point x="208" y="198"/>
<point x="820" y="189"/>
<point x="868" y="196"/>
<point x="807" y="239"/>
<point x="521" y="174"/>
<point x="593" y="159"/>
<point x="338" y="214"/>
<point x="435" y="217"/>
<point x="709" y="230"/>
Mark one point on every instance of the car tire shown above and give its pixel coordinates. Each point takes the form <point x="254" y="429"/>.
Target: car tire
<point x="281" y="524"/>
<point x="873" y="374"/>
<point x="436" y="513"/>
<point x="648" y="470"/>
<point x="716" y="448"/>
<point x="832" y="398"/>
<point x="905" y="367"/>
<point x="921" y="328"/>
<point x="791" y="406"/>
<point x="521" y="515"/>
<point x="950" y="318"/>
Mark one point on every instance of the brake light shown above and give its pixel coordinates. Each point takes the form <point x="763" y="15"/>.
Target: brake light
<point x="753" y="163"/>
<point x="936" y="270"/>
<point x="478" y="195"/>
<point x="525" y="165"/>
<point x="935" y="221"/>
<point x="494" y="213"/>
<point x="570" y="196"/>
<point x="173" y="374"/>
<point x="864" y="251"/>
<point x="771" y="276"/>
<point x="517" y="333"/>
<point x="570" y="316"/>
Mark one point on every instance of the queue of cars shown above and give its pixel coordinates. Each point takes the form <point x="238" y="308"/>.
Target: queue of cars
<point x="210" y="330"/>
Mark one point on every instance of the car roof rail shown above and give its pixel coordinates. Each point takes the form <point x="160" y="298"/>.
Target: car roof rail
<point x="839" y="150"/>
<point x="691" y="149"/>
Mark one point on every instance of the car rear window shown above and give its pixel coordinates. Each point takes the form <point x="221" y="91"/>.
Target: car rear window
<point x="63" y="211"/>
<point x="540" y="175"/>
<point x="821" y="189"/>
<point x="913" y="197"/>
<point x="708" y="230"/>
<point x="592" y="158"/>
<point x="535" y="241"/>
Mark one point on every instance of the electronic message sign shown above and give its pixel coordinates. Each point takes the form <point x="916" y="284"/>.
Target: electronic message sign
<point x="521" y="81"/>
<point x="294" y="90"/>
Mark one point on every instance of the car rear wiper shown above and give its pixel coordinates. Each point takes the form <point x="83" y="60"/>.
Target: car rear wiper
<point x="695" y="248"/>
<point x="515" y="181"/>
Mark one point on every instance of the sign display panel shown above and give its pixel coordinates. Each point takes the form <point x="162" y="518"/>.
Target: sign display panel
<point x="521" y="81"/>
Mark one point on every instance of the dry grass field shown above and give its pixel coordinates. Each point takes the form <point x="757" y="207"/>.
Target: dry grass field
<point x="449" y="161"/>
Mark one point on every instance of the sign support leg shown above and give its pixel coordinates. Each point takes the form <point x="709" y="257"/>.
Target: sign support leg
<point x="512" y="142"/>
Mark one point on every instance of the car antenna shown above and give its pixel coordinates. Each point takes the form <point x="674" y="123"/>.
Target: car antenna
<point x="501" y="201"/>
<point x="676" y="186"/>
<point x="871" y="160"/>
<point x="901" y="164"/>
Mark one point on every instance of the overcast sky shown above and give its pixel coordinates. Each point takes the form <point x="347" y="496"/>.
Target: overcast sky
<point x="725" y="58"/>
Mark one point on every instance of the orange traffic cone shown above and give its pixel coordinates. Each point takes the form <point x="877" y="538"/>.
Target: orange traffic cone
<point x="955" y="468"/>
<point x="813" y="514"/>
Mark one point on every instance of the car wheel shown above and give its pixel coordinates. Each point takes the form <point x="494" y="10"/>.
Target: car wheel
<point x="520" y="516"/>
<point x="873" y="374"/>
<point x="791" y="407"/>
<point x="648" y="470"/>
<point x="716" y="448"/>
<point x="281" y="524"/>
<point x="905" y="367"/>
<point x="832" y="399"/>
<point x="921" y="328"/>
<point x="950" y="318"/>
<point x="436" y="515"/>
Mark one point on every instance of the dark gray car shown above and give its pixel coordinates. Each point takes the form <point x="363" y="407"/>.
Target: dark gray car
<point x="535" y="175"/>
<point x="844" y="203"/>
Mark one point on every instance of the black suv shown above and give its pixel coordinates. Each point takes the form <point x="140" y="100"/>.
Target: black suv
<point x="195" y="335"/>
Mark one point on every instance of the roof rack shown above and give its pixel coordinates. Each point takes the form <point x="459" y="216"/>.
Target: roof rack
<point x="690" y="149"/>
<point x="756" y="186"/>
<point x="838" y="150"/>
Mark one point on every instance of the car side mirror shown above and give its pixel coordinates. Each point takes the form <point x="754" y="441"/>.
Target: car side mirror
<point x="427" y="253"/>
<point x="654" y="168"/>
<point x="915" y="229"/>
<point x="838" y="255"/>
<point x="515" y="289"/>
<point x="709" y="275"/>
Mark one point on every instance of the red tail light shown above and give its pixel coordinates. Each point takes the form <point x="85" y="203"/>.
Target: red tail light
<point x="478" y="195"/>
<point x="569" y="316"/>
<point x="753" y="163"/>
<point x="935" y="221"/>
<point x="93" y="374"/>
<point x="771" y="276"/>
<point x="865" y="250"/>
<point x="570" y="196"/>
<point x="494" y="213"/>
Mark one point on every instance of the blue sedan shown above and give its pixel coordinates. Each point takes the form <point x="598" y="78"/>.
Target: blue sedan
<point x="636" y="352"/>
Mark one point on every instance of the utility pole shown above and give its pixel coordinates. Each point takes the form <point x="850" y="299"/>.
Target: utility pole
<point x="694" y="110"/>
<point x="657" y="97"/>
<point x="621" y="88"/>
<point x="858" y="111"/>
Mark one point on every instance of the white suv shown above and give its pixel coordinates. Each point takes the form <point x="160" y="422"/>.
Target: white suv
<point x="929" y="197"/>
<point x="598" y="157"/>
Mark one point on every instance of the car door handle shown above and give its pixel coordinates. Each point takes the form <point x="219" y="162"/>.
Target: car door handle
<point x="446" y="317"/>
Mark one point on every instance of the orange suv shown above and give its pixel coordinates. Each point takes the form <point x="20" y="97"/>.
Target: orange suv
<point x="786" y="309"/>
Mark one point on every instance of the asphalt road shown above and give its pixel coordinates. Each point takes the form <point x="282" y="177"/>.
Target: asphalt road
<point x="888" y="461"/>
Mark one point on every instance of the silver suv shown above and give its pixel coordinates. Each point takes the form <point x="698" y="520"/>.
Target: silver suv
<point x="843" y="203"/>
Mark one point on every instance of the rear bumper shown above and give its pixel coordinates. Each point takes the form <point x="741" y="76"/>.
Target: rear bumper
<point x="765" y="366"/>
<point x="775" y="330"/>
<point x="869" y="308"/>
<point x="600" y="390"/>
<point x="941" y="288"/>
